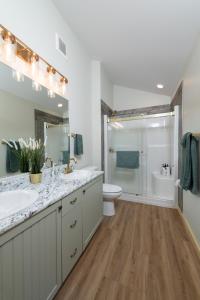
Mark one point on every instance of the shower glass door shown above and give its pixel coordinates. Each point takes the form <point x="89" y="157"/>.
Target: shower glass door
<point x="125" y="143"/>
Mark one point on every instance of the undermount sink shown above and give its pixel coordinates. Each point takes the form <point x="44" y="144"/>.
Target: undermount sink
<point x="76" y="175"/>
<point x="14" y="201"/>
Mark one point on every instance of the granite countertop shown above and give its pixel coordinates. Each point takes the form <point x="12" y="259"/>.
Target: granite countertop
<point x="52" y="189"/>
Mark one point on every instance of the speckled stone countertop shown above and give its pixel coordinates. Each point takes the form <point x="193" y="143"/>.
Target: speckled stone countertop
<point x="52" y="189"/>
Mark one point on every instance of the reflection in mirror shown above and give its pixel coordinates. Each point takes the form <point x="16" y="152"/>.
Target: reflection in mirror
<point x="26" y="113"/>
<point x="57" y="142"/>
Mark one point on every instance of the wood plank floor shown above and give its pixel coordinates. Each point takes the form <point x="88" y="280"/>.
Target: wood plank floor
<point x="142" y="253"/>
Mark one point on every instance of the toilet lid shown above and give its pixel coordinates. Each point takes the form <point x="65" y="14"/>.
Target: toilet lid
<point x="109" y="188"/>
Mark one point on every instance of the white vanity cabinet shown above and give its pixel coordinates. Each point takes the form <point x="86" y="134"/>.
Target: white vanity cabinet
<point x="92" y="207"/>
<point x="30" y="258"/>
<point x="37" y="255"/>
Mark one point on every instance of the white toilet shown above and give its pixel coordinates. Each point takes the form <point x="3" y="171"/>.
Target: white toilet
<point x="110" y="193"/>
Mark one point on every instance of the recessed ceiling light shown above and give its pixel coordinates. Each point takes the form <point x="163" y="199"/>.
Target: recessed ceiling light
<point x="60" y="105"/>
<point x="160" y="86"/>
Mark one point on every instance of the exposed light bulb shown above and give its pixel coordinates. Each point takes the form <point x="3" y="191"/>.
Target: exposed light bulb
<point x="36" y="86"/>
<point x="18" y="76"/>
<point x="34" y="65"/>
<point x="62" y="85"/>
<point x="60" y="105"/>
<point x="51" y="72"/>
<point x="51" y="93"/>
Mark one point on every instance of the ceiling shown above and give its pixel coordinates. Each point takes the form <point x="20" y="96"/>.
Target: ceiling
<point x="140" y="42"/>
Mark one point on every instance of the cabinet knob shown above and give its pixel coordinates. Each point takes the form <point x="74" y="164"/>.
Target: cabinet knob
<point x="83" y="191"/>
<point x="73" y="201"/>
<point x="73" y="224"/>
<point x="74" y="253"/>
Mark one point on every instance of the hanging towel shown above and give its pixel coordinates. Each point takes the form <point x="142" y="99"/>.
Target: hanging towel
<point x="190" y="163"/>
<point x="65" y="157"/>
<point x="78" y="144"/>
<point x="128" y="159"/>
<point x="12" y="161"/>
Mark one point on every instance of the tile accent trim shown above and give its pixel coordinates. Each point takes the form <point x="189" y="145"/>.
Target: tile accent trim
<point x="144" y="110"/>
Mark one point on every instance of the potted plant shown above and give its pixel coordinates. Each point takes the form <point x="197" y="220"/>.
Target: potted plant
<point x="30" y="155"/>
<point x="36" y="155"/>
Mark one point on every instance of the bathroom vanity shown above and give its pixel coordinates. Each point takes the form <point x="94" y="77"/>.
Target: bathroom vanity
<point x="45" y="227"/>
<point x="37" y="255"/>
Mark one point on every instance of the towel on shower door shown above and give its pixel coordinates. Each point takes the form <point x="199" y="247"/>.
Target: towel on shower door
<point x="128" y="159"/>
<point x="190" y="163"/>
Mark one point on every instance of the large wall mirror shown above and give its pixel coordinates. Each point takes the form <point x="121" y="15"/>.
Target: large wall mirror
<point x="27" y="113"/>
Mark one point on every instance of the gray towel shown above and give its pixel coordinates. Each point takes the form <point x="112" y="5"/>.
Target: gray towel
<point x="190" y="163"/>
<point x="128" y="159"/>
<point x="78" y="144"/>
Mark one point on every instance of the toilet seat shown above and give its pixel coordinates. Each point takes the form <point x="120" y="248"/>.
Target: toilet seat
<point x="110" y="188"/>
<point x="111" y="191"/>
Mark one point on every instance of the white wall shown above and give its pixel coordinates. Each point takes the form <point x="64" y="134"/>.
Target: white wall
<point x="126" y="98"/>
<point x="95" y="151"/>
<point x="35" y="23"/>
<point x="106" y="88"/>
<point x="191" y="122"/>
<point x="102" y="89"/>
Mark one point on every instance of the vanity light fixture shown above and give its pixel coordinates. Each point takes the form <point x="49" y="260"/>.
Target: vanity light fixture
<point x="24" y="60"/>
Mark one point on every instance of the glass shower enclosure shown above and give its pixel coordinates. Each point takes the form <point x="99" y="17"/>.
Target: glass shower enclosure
<point x="136" y="149"/>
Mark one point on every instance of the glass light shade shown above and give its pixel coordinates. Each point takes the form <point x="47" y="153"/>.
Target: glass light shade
<point x="36" y="86"/>
<point x="18" y="76"/>
<point x="51" y="81"/>
<point x="9" y="51"/>
<point x="62" y="87"/>
<point x="34" y="67"/>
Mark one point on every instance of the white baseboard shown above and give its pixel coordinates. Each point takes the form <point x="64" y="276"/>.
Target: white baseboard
<point x="151" y="200"/>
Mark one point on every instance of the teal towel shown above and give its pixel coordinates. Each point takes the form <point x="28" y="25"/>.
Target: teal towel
<point x="12" y="161"/>
<point x="128" y="159"/>
<point x="190" y="163"/>
<point x="78" y="144"/>
<point x="66" y="155"/>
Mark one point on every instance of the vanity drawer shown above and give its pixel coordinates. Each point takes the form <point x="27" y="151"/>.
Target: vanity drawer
<point x="71" y="239"/>
<point x="70" y="257"/>
<point x="71" y="227"/>
<point x="71" y="201"/>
